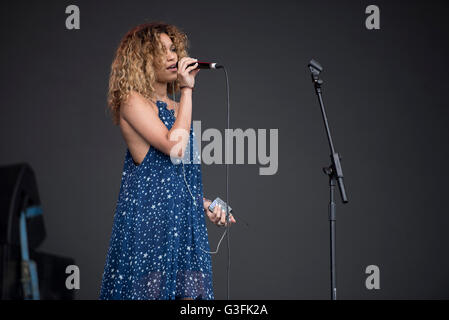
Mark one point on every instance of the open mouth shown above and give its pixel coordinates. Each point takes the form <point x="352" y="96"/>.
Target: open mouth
<point x="172" y="67"/>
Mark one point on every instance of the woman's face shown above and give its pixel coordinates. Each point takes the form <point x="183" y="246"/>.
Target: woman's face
<point x="163" y="73"/>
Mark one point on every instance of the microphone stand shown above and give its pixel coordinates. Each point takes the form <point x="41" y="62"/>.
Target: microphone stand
<point x="334" y="172"/>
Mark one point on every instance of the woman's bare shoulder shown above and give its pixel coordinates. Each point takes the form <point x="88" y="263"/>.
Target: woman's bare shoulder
<point x="133" y="98"/>
<point x="135" y="103"/>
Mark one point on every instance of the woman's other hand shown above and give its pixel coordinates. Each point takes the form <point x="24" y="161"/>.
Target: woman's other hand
<point x="218" y="217"/>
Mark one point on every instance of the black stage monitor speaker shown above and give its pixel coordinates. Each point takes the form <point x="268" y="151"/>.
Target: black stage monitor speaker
<point x="26" y="273"/>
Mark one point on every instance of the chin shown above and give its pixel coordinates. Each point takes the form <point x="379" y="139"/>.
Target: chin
<point x="172" y="78"/>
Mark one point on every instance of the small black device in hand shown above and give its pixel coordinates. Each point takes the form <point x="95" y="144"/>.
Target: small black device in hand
<point x="218" y="201"/>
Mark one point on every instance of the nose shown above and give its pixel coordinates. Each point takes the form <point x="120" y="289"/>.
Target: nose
<point x="171" y="55"/>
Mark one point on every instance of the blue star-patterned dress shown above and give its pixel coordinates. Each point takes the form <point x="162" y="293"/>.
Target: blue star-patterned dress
<point x="159" y="246"/>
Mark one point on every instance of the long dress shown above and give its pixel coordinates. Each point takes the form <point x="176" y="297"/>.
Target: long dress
<point x="159" y="246"/>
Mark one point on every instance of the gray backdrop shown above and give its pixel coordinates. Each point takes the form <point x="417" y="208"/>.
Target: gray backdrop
<point x="385" y="93"/>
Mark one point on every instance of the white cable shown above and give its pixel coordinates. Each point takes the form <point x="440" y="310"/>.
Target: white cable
<point x="218" y="246"/>
<point x="183" y="171"/>
<point x="194" y="201"/>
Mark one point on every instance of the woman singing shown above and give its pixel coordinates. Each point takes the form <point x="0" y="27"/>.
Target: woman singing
<point x="159" y="245"/>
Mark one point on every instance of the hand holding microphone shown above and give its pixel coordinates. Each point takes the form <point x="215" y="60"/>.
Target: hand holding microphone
<point x="186" y="78"/>
<point x="186" y="65"/>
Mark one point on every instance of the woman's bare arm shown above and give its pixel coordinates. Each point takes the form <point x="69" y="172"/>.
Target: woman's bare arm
<point x="137" y="112"/>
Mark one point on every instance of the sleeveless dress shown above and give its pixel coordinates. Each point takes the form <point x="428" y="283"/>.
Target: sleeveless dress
<point x="159" y="243"/>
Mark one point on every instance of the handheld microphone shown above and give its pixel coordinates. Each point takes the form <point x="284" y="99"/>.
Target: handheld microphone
<point x="204" y="65"/>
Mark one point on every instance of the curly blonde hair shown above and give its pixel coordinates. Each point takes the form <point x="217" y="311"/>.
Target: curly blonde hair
<point x="139" y="51"/>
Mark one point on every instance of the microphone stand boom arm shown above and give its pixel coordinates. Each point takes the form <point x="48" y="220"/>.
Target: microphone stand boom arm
<point x="335" y="173"/>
